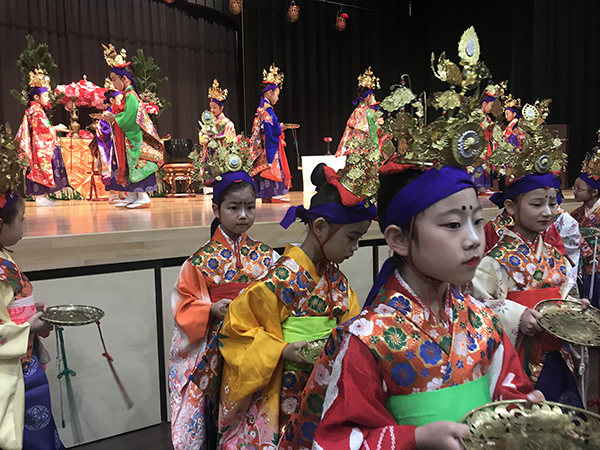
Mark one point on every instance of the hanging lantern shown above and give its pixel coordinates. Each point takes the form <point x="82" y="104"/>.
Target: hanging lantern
<point x="235" y="6"/>
<point x="340" y="20"/>
<point x="169" y="1"/>
<point x="293" y="13"/>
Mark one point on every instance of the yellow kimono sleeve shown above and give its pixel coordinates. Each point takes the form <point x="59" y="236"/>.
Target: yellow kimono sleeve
<point x="251" y="342"/>
<point x="13" y="346"/>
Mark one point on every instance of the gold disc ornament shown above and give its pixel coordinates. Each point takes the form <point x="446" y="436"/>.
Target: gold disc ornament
<point x="566" y="320"/>
<point x="72" y="315"/>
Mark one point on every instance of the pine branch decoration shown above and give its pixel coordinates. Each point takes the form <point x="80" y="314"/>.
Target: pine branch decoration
<point x="148" y="80"/>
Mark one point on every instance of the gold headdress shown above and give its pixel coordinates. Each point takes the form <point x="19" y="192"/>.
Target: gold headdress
<point x="473" y="70"/>
<point x="510" y="102"/>
<point x="367" y="80"/>
<point x="591" y="164"/>
<point x="541" y="152"/>
<point x="274" y="76"/>
<point x="360" y="175"/>
<point x="9" y="163"/>
<point x="39" y="78"/>
<point x="535" y="115"/>
<point x="114" y="59"/>
<point x="216" y="92"/>
<point x="108" y="85"/>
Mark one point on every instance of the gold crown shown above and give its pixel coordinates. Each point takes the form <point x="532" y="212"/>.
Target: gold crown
<point x="510" y="102"/>
<point x="496" y="90"/>
<point x="474" y="70"/>
<point x="39" y="78"/>
<point x="274" y="76"/>
<point x="9" y="160"/>
<point x="114" y="59"/>
<point x="591" y="164"/>
<point x="367" y="80"/>
<point x="108" y="85"/>
<point x="216" y="92"/>
<point x="360" y="175"/>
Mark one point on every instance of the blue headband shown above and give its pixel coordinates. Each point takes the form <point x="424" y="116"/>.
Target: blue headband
<point x="431" y="187"/>
<point x="111" y="94"/>
<point x="10" y="197"/>
<point x="267" y="88"/>
<point x="488" y="99"/>
<point x="218" y="102"/>
<point x="123" y="73"/>
<point x="36" y="91"/>
<point x="516" y="111"/>
<point x="527" y="183"/>
<point x="361" y="97"/>
<point x="228" y="178"/>
<point x="331" y="212"/>
<point x="591" y="182"/>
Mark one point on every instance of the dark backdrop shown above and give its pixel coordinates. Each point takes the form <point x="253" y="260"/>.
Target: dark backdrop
<point x="191" y="44"/>
<point x="545" y="48"/>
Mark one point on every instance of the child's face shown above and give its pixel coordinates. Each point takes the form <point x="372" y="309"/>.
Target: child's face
<point x="215" y="109"/>
<point x="583" y="192"/>
<point x="450" y="238"/>
<point x="117" y="81"/>
<point x="238" y="212"/>
<point x="43" y="98"/>
<point x="11" y="233"/>
<point x="116" y="100"/>
<point x="344" y="242"/>
<point x="535" y="211"/>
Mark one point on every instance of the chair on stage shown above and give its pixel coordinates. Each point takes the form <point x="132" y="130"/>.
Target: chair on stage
<point x="178" y="168"/>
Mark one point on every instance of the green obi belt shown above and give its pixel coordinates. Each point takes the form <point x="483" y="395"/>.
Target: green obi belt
<point x="305" y="328"/>
<point x="449" y="404"/>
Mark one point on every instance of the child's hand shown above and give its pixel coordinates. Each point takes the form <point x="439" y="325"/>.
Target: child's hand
<point x="585" y="303"/>
<point x="290" y="352"/>
<point x="37" y="325"/>
<point x="441" y="436"/>
<point x="536" y="396"/>
<point x="529" y="325"/>
<point x="41" y="306"/>
<point x="215" y="308"/>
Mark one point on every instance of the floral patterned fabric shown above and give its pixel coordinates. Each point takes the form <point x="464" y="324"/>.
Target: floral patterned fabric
<point x="37" y="140"/>
<point x="251" y="342"/>
<point x="362" y="124"/>
<point x="220" y="269"/>
<point x="587" y="218"/>
<point x="513" y="134"/>
<point x="392" y="349"/>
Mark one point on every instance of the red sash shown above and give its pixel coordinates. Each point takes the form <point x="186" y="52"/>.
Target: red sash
<point x="226" y="290"/>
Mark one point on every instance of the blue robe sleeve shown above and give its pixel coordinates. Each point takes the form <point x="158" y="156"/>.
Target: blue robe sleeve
<point x="272" y="132"/>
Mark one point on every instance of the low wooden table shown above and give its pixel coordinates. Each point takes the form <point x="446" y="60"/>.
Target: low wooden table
<point x="175" y="172"/>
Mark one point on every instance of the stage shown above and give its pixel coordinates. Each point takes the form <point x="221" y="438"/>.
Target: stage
<point x="126" y="262"/>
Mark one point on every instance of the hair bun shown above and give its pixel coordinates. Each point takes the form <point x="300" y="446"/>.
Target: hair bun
<point x="318" y="177"/>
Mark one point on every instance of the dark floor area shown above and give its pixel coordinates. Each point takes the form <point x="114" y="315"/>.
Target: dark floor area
<point x="157" y="437"/>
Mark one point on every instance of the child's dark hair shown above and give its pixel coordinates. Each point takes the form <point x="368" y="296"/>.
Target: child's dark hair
<point x="9" y="214"/>
<point x="390" y="186"/>
<point x="233" y="187"/>
<point x="326" y="193"/>
<point x="361" y="90"/>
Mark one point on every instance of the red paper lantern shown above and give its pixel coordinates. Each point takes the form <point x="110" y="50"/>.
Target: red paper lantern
<point x="235" y="6"/>
<point x="340" y="20"/>
<point x="293" y="13"/>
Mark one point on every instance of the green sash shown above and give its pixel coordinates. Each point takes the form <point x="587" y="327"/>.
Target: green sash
<point x="450" y="403"/>
<point x="305" y="328"/>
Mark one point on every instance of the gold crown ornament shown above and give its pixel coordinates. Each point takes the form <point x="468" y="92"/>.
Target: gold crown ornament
<point x="108" y="85"/>
<point x="510" y="102"/>
<point x="360" y="175"/>
<point x="274" y="76"/>
<point x="216" y="92"/>
<point x="114" y="59"/>
<point x="591" y="164"/>
<point x="473" y="70"/>
<point x="9" y="161"/>
<point x="39" y="78"/>
<point x="535" y="115"/>
<point x="367" y="80"/>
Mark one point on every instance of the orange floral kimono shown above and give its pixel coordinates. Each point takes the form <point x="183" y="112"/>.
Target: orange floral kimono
<point x="220" y="269"/>
<point x="362" y="124"/>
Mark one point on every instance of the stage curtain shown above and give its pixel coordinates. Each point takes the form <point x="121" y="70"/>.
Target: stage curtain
<point x="191" y="44"/>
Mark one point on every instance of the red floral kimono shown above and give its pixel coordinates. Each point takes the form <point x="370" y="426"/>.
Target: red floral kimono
<point x="392" y="349"/>
<point x="362" y="124"/>
<point x="37" y="140"/>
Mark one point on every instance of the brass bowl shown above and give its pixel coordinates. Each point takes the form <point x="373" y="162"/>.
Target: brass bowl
<point x="72" y="315"/>
<point x="566" y="320"/>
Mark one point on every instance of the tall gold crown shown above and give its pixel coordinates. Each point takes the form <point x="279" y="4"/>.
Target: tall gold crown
<point x="114" y="59"/>
<point x="367" y="80"/>
<point x="216" y="92"/>
<point x="39" y="78"/>
<point x="108" y="85"/>
<point x="274" y="76"/>
<point x="510" y="102"/>
<point x="591" y="164"/>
